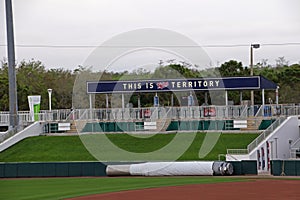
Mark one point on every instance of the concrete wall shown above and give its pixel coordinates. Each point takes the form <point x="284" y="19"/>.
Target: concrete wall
<point x="230" y="157"/>
<point x="276" y="145"/>
<point x="34" y="129"/>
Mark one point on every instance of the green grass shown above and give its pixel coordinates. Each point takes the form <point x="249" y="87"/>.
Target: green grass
<point x="47" y="148"/>
<point x="70" y="148"/>
<point x="59" y="188"/>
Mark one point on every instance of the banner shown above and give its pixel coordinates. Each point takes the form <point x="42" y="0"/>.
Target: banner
<point x="228" y="83"/>
<point x="34" y="106"/>
<point x="204" y="84"/>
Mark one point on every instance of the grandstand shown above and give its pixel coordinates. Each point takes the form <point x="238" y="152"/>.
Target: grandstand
<point x="277" y="123"/>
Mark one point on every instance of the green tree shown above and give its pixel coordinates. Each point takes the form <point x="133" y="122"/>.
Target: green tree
<point x="4" y="104"/>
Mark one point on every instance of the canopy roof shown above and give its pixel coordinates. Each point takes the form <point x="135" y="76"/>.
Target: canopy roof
<point x="197" y="84"/>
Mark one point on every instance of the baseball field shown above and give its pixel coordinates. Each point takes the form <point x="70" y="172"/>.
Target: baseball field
<point x="70" y="148"/>
<point x="151" y="188"/>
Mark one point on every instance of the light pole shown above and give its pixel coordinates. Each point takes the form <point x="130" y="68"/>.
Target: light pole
<point x="12" y="84"/>
<point x="49" y="93"/>
<point x="252" y="46"/>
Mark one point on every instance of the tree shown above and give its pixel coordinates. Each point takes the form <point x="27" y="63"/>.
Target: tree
<point x="233" y="68"/>
<point x="281" y="61"/>
<point x="4" y="99"/>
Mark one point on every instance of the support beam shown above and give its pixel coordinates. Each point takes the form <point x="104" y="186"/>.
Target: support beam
<point x="241" y="97"/>
<point x="123" y="102"/>
<point x="91" y="106"/>
<point x="106" y="98"/>
<point x="139" y="101"/>
<point x="263" y="96"/>
<point x="91" y="101"/>
<point x="277" y="95"/>
<point x="226" y="97"/>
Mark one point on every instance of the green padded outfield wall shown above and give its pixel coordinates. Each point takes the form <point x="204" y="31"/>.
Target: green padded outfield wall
<point x="244" y="167"/>
<point x="77" y="169"/>
<point x="285" y="167"/>
<point x="52" y="169"/>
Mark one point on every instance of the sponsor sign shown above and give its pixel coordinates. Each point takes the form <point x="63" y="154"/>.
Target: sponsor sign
<point x="34" y="106"/>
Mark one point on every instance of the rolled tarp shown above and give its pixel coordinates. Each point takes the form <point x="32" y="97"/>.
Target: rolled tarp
<point x="191" y="168"/>
<point x="171" y="169"/>
<point x="117" y="170"/>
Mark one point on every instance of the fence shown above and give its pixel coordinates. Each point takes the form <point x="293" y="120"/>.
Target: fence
<point x="155" y="113"/>
<point x="52" y="169"/>
<point x="265" y="133"/>
<point x="285" y="167"/>
<point x="72" y="169"/>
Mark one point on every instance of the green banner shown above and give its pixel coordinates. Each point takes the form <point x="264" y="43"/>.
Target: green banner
<point x="34" y="106"/>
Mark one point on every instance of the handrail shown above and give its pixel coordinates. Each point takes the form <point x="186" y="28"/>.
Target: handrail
<point x="259" y="139"/>
<point x="265" y="133"/>
<point x="295" y="143"/>
<point x="184" y="112"/>
<point x="237" y="151"/>
<point x="259" y="111"/>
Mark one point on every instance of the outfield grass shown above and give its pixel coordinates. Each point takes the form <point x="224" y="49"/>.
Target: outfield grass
<point x="60" y="188"/>
<point x="70" y="148"/>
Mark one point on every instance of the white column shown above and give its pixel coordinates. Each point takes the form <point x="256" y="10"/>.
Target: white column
<point x="139" y="101"/>
<point x="123" y="103"/>
<point x="271" y="150"/>
<point x="226" y="103"/>
<point x="263" y="96"/>
<point x="277" y="95"/>
<point x="106" y="100"/>
<point x="91" y="106"/>
<point x="241" y="97"/>
<point x="226" y="97"/>
<point x="91" y="103"/>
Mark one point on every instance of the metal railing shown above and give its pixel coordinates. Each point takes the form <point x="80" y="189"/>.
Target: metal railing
<point x="259" y="139"/>
<point x="237" y="151"/>
<point x="155" y="113"/>
<point x="295" y="153"/>
<point x="265" y="133"/>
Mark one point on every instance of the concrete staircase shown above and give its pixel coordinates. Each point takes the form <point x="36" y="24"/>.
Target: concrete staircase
<point x="77" y="126"/>
<point x="163" y="124"/>
<point x="253" y="124"/>
<point x="34" y="129"/>
<point x="73" y="128"/>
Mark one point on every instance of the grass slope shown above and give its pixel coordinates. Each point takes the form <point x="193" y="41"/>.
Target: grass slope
<point x="44" y="148"/>
<point x="70" y="148"/>
<point x="60" y="188"/>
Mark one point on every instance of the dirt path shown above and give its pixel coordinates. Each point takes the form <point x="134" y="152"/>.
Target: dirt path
<point x="254" y="189"/>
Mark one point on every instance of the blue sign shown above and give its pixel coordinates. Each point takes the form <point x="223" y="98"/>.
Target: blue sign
<point x="229" y="83"/>
<point x="156" y="101"/>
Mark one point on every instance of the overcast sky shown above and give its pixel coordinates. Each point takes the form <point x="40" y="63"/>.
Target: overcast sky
<point x="213" y="22"/>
